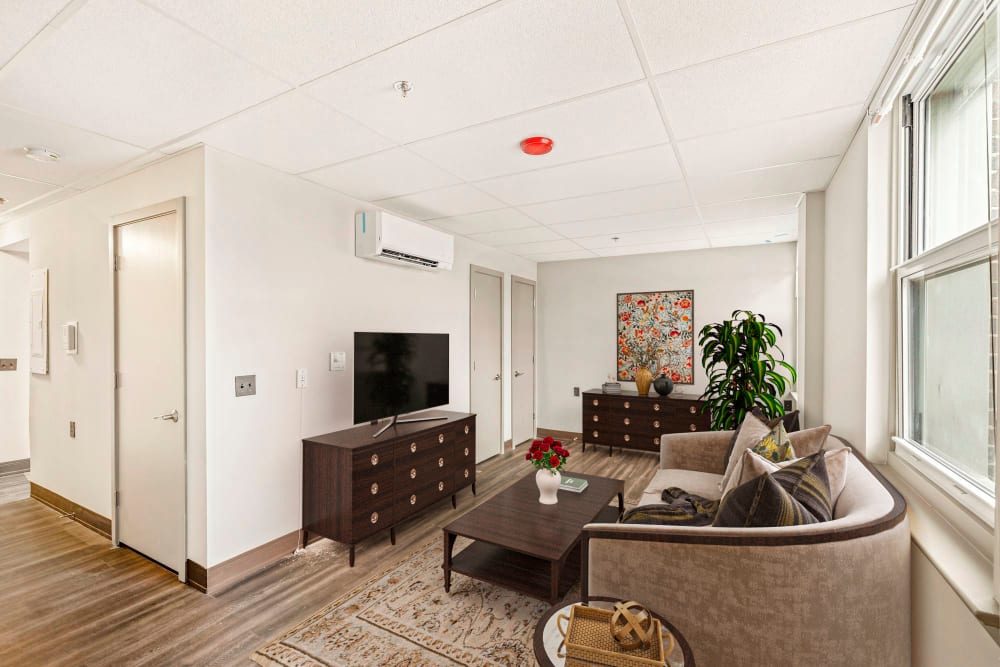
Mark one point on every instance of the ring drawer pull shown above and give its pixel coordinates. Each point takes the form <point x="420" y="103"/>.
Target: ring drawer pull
<point x="466" y="451"/>
<point x="627" y="437"/>
<point x="656" y="407"/>
<point x="440" y="462"/>
<point x="693" y="427"/>
<point x="692" y="409"/>
<point x="374" y="517"/>
<point x="413" y="473"/>
<point x="466" y="474"/>
<point x="595" y="434"/>
<point x="413" y="448"/>
<point x="627" y="421"/>
<point x="374" y="459"/>
<point x="596" y="418"/>
<point x="627" y="405"/>
<point x="374" y="488"/>
<point x="656" y="441"/>
<point x="466" y="429"/>
<point x="413" y="500"/>
<point x="596" y="402"/>
<point x="440" y="486"/>
<point x="656" y="424"/>
<point x="441" y="437"/>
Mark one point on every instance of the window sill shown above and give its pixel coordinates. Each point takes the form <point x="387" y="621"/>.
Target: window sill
<point x="966" y="569"/>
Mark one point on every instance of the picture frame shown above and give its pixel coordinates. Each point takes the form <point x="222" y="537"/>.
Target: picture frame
<point x="664" y="319"/>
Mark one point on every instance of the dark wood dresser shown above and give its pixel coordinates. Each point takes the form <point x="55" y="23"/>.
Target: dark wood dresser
<point x="632" y="421"/>
<point x="354" y="485"/>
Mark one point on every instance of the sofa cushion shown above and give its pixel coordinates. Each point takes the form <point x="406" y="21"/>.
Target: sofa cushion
<point x="807" y="481"/>
<point x="704" y="484"/>
<point x="789" y="419"/>
<point x="754" y="465"/>
<point x="751" y="431"/>
<point x="810" y="440"/>
<point x="762" y="502"/>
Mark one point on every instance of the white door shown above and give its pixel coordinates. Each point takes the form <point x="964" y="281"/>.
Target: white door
<point x="522" y="359"/>
<point x="149" y="361"/>
<point x="486" y="356"/>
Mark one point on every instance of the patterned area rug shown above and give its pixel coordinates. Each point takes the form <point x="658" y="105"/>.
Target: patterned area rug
<point x="403" y="618"/>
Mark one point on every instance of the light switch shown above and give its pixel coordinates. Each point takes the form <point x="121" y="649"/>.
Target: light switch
<point x="338" y="361"/>
<point x="301" y="378"/>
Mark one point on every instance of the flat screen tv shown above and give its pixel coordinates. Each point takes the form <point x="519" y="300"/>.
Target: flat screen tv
<point x="398" y="373"/>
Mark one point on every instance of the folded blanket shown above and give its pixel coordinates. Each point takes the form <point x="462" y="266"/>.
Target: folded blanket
<point x="679" y="508"/>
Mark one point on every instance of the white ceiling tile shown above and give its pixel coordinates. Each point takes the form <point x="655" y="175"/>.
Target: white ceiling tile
<point x="18" y="191"/>
<point x="651" y="248"/>
<point x="542" y="247"/>
<point x="751" y="208"/>
<point x="810" y="176"/>
<point x="604" y="174"/>
<point x="610" y="204"/>
<point x="515" y="236"/>
<point x="646" y="237"/>
<point x="561" y="256"/>
<point x="766" y="227"/>
<point x="484" y="221"/>
<point x="751" y="239"/>
<point x="83" y="154"/>
<point x="294" y="133"/>
<point x="300" y="40"/>
<point x="505" y="59"/>
<point x="126" y="71"/>
<point x="824" y="70"/>
<point x="618" y="120"/>
<point x="22" y="20"/>
<point x="791" y="140"/>
<point x="628" y="223"/>
<point x="678" y="33"/>
<point x="453" y="200"/>
<point x="392" y="172"/>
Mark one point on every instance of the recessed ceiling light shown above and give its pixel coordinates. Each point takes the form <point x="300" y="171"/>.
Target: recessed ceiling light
<point x="39" y="154"/>
<point x="536" y="145"/>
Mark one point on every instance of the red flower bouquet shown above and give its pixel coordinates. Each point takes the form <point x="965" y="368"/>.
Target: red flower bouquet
<point x="547" y="454"/>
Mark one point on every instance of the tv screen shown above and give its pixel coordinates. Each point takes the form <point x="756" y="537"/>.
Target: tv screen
<point x="397" y="373"/>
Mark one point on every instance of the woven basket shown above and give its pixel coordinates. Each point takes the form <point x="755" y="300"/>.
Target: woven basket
<point x="589" y="642"/>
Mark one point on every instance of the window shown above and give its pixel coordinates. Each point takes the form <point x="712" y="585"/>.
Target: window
<point x="946" y="315"/>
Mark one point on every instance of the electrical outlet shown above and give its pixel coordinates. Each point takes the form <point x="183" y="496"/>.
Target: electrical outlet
<point x="338" y="361"/>
<point x="301" y="378"/>
<point x="576" y="391"/>
<point x="8" y="364"/>
<point x="72" y="429"/>
<point x="246" y="385"/>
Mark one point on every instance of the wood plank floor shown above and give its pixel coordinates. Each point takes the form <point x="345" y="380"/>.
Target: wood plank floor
<point x="14" y="487"/>
<point x="68" y="598"/>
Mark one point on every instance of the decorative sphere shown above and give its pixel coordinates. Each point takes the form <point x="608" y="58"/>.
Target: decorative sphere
<point x="631" y="625"/>
<point x="663" y="385"/>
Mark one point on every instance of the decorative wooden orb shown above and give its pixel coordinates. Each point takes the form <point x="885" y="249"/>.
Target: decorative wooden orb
<point x="631" y="625"/>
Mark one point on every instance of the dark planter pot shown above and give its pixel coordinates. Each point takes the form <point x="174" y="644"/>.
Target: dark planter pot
<point x="663" y="385"/>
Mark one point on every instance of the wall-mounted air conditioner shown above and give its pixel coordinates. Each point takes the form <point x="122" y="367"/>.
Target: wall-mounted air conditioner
<point x="390" y="238"/>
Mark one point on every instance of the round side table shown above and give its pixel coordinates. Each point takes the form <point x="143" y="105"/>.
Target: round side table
<point x="548" y="637"/>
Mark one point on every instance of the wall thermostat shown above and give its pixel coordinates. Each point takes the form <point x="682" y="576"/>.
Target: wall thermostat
<point x="69" y="337"/>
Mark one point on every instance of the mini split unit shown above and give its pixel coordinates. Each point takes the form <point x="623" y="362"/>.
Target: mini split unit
<point x="389" y="238"/>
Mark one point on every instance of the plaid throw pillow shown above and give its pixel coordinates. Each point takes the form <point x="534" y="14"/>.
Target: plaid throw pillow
<point x="761" y="503"/>
<point x="808" y="482"/>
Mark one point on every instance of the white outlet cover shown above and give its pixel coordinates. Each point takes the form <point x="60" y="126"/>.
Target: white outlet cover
<point x="338" y="361"/>
<point x="301" y="378"/>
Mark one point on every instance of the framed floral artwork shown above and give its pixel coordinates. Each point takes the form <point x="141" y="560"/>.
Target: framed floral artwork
<point x="656" y="330"/>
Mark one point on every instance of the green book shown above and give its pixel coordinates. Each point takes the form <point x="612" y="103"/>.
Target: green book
<point x="573" y="484"/>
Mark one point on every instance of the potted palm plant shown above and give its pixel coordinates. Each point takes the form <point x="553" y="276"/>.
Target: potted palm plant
<point x="745" y="368"/>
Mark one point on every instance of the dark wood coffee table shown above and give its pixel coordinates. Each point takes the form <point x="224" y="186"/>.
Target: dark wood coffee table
<point x="526" y="546"/>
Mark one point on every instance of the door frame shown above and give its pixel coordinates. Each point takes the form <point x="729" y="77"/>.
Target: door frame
<point x="175" y="206"/>
<point x="534" y="354"/>
<point x="473" y="269"/>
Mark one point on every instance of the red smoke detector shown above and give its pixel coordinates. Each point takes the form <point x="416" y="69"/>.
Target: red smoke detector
<point x="536" y="145"/>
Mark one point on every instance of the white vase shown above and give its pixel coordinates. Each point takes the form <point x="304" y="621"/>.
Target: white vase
<point x="548" y="486"/>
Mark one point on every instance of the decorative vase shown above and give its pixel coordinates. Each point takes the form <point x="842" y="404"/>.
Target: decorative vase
<point x="548" y="485"/>
<point x="643" y="378"/>
<point x="663" y="385"/>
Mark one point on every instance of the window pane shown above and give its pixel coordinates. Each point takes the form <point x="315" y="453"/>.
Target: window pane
<point x="949" y="370"/>
<point x="956" y="166"/>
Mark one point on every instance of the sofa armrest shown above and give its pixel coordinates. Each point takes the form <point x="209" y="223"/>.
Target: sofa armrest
<point x="703" y="452"/>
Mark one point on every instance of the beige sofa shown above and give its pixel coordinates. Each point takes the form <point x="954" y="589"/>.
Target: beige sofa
<point x="834" y="593"/>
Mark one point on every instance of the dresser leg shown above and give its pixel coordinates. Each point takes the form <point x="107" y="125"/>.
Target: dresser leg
<point x="610" y="450"/>
<point x="473" y="488"/>
<point x="350" y="557"/>
<point x="392" y="536"/>
<point x="584" y="446"/>
<point x="454" y="503"/>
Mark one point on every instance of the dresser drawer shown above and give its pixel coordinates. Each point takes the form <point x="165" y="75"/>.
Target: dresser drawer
<point x="418" y="473"/>
<point x="369" y="519"/>
<point x="422" y="496"/>
<point x="418" y="448"/>
<point x="372" y="489"/>
<point x="465" y="474"/>
<point x="372" y="459"/>
<point x="465" y="451"/>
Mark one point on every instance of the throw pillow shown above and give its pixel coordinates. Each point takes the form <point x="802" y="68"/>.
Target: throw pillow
<point x="760" y="503"/>
<point x="753" y="465"/>
<point x="751" y="431"/>
<point x="791" y="422"/>
<point x="775" y="446"/>
<point x="806" y="480"/>
<point x="810" y="440"/>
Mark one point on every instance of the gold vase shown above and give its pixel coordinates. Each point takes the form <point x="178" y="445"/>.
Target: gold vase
<point x="643" y="378"/>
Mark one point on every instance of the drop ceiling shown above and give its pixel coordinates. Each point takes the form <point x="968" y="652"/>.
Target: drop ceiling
<point x="677" y="125"/>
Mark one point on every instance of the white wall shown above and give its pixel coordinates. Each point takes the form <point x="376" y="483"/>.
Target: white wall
<point x="283" y="290"/>
<point x="15" y="343"/>
<point x="809" y="305"/>
<point x="577" y="309"/>
<point x="845" y="289"/>
<point x="71" y="240"/>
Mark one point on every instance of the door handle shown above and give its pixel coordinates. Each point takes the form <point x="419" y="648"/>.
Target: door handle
<point x="170" y="416"/>
<point x="497" y="377"/>
<point x="518" y="374"/>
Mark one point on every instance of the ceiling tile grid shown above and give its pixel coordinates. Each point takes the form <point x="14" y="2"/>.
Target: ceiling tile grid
<point x="677" y="124"/>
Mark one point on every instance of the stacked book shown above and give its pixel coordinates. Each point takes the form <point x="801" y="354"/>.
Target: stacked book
<point x="612" y="387"/>
<point x="574" y="484"/>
